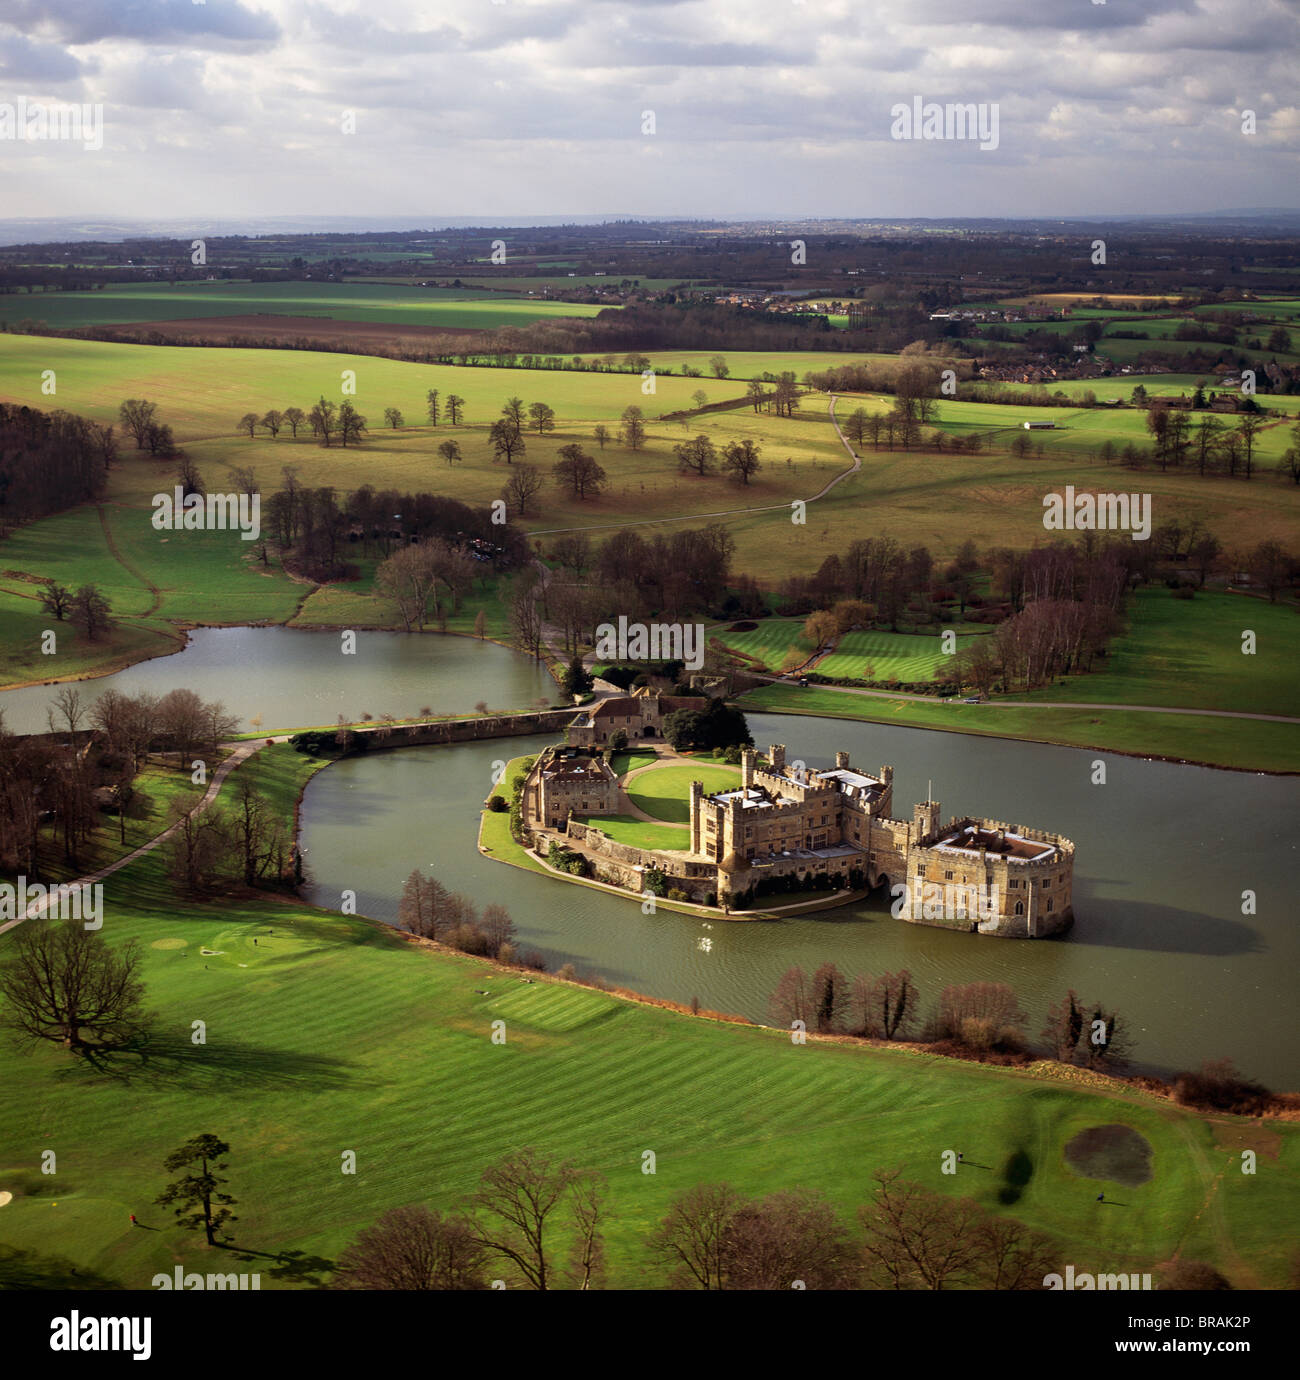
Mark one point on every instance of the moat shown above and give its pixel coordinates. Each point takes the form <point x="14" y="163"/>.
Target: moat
<point x="1164" y="853"/>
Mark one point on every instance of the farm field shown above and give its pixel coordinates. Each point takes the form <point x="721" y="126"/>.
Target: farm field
<point x="333" y="1033"/>
<point x="128" y="304"/>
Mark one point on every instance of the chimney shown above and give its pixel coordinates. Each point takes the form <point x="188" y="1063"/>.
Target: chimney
<point x="841" y="761"/>
<point x="747" y="767"/>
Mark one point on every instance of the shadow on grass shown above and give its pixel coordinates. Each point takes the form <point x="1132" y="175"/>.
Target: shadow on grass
<point x="172" y="1060"/>
<point x="20" y="1269"/>
<point x="293" y="1267"/>
<point x="1016" y="1174"/>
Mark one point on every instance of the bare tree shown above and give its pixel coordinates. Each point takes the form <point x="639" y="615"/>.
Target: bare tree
<point x="64" y="984"/>
<point x="792" y="999"/>
<point x="885" y="1007"/>
<point x="690" y="1241"/>
<point x="523" y="485"/>
<point x="412" y="1248"/>
<point x="523" y="1197"/>
<point x="916" y="1239"/>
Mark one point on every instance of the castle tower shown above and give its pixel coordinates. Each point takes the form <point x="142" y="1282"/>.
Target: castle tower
<point x="841" y="761"/>
<point x="747" y="756"/>
<point x="697" y="817"/>
<point x="925" y="822"/>
<point x="887" y="775"/>
<point x="776" y="755"/>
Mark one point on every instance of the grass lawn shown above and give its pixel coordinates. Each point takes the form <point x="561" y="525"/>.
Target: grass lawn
<point x="624" y="762"/>
<point x="1188" y="653"/>
<point x="665" y="792"/>
<point x="331" y="1034"/>
<point x="1244" y="743"/>
<point x="638" y="834"/>
<point x="328" y="1034"/>
<point x="890" y="656"/>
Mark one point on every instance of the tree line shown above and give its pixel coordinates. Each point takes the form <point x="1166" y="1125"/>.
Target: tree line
<point x="50" y="461"/>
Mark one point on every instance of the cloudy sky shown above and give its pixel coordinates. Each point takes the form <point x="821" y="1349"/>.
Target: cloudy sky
<point x="761" y="108"/>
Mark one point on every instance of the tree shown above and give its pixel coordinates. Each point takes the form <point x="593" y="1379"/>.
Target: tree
<point x="792" y="999"/>
<point x="62" y="983"/>
<point x="700" y="398"/>
<point x="885" y="1008"/>
<point x="697" y="456"/>
<point x="1063" y="1028"/>
<point x="56" y="600"/>
<point x="1279" y="341"/>
<point x="601" y="433"/>
<point x="197" y="1197"/>
<point x="351" y="423"/>
<point x="1106" y="1040"/>
<point x="450" y="451"/>
<point x="1268" y="564"/>
<point x="577" y="680"/>
<point x="523" y="1196"/>
<point x="916" y="1239"/>
<point x="740" y="460"/>
<point x="136" y="414"/>
<point x="719" y="366"/>
<point x="412" y="1248"/>
<point x="523" y="485"/>
<point x="431" y="398"/>
<point x="90" y="611"/>
<point x="393" y="417"/>
<point x="507" y="439"/>
<point x="756" y="394"/>
<point x="543" y="417"/>
<point x="513" y="412"/>
<point x="789" y="1236"/>
<point x="579" y="472"/>
<point x="633" y="430"/>
<point x="690" y="1240"/>
<point x="829" y="998"/>
<point x="189" y="478"/>
<point x="249" y="422"/>
<point x="322" y="421"/>
<point x="272" y="421"/>
<point x="293" y="418"/>
<point x="455" y="408"/>
<point x="855" y="425"/>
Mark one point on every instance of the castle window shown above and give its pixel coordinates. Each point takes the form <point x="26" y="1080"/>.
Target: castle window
<point x="1049" y="904"/>
<point x="1013" y="885"/>
<point x="1047" y="881"/>
<point x="920" y="871"/>
<point x="947" y="876"/>
<point x="1020" y="907"/>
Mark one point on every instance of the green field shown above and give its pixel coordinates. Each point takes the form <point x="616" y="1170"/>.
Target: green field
<point x="331" y="1034"/>
<point x="890" y="656"/>
<point x="665" y="792"/>
<point x="1250" y="745"/>
<point x="637" y="833"/>
<point x="130" y="304"/>
<point x="1188" y="654"/>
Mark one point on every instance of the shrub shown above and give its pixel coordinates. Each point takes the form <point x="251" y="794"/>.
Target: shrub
<point x="675" y="893"/>
<point x="498" y="805"/>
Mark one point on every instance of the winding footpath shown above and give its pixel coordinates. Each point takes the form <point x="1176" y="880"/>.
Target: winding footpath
<point x="241" y="754"/>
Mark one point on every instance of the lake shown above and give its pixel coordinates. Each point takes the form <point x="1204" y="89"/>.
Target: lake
<point x="1164" y="854"/>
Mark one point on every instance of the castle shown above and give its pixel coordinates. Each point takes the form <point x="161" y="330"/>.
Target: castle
<point x="789" y="828"/>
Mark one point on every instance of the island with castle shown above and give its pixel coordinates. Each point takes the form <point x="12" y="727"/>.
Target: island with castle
<point x="787" y="828"/>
